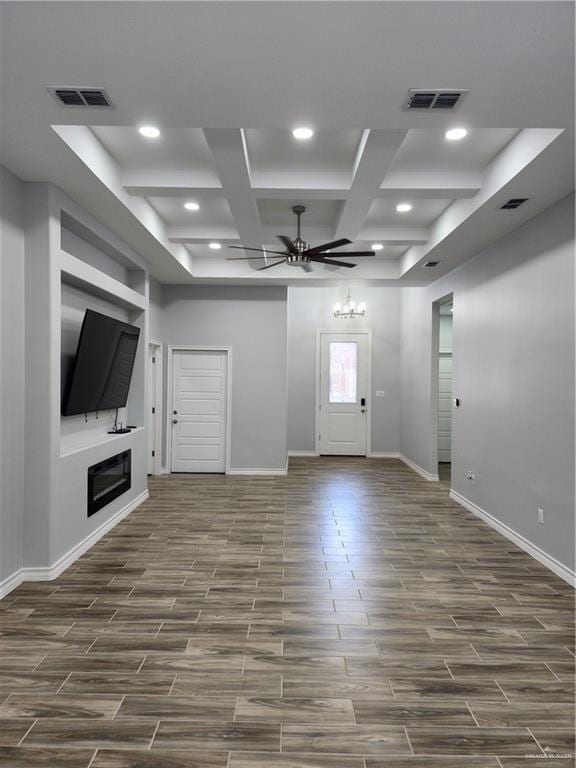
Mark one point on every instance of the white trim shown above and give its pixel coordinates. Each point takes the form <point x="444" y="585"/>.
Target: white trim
<point x="157" y="416"/>
<point x="274" y="471"/>
<point x="422" y="472"/>
<point x="383" y="455"/>
<point x="318" y="396"/>
<point x="534" y="551"/>
<point x="53" y="571"/>
<point x="164" y="471"/>
<point x="195" y="348"/>
<point x="302" y="453"/>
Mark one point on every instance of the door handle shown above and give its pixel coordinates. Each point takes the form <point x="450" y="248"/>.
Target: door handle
<point x="175" y="413"/>
<point x="363" y="410"/>
<point x="174" y="421"/>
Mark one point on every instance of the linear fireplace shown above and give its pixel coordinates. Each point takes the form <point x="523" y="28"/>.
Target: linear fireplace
<point x="108" y="479"/>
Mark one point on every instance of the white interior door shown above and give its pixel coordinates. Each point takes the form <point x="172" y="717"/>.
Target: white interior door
<point x="198" y="419"/>
<point x="152" y="405"/>
<point x="343" y="394"/>
<point x="445" y="406"/>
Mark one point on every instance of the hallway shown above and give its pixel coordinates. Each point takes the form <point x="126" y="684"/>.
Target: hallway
<point x="349" y="615"/>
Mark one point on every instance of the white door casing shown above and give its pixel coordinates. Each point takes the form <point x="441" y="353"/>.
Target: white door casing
<point x="198" y="416"/>
<point x="343" y="393"/>
<point x="151" y="407"/>
<point x="154" y="407"/>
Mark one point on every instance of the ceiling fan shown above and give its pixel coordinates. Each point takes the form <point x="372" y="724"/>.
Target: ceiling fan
<point x="298" y="253"/>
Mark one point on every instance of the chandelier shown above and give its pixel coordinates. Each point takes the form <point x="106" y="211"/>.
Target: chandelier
<point x="350" y="309"/>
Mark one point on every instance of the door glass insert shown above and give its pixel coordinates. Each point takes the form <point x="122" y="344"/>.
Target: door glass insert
<point x="343" y="371"/>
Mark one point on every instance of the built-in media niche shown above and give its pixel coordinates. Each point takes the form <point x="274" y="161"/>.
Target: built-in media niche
<point x="108" y="479"/>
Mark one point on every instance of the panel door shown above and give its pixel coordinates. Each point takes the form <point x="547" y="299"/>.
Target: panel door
<point x="199" y="415"/>
<point x="343" y="389"/>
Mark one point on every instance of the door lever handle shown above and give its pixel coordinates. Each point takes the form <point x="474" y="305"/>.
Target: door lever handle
<point x="174" y="421"/>
<point x="363" y="410"/>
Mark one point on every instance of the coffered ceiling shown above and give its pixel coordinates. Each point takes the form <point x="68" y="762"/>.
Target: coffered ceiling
<point x="226" y="83"/>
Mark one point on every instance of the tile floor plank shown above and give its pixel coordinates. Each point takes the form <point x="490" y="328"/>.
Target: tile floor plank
<point x="348" y="615"/>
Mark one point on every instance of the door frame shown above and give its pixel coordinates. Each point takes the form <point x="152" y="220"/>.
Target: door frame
<point x="434" y="373"/>
<point x="156" y="418"/>
<point x="170" y="402"/>
<point x="317" y="399"/>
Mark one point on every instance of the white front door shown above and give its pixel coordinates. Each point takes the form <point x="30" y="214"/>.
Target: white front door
<point x="343" y="394"/>
<point x="198" y="418"/>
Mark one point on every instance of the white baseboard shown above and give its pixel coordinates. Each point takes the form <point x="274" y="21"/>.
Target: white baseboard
<point x="422" y="472"/>
<point x="301" y="453"/>
<point x="266" y="471"/>
<point x="534" y="551"/>
<point x="53" y="571"/>
<point x="383" y="455"/>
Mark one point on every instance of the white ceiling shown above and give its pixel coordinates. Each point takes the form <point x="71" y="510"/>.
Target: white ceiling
<point x="226" y="82"/>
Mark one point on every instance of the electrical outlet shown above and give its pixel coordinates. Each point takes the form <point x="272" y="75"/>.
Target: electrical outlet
<point x="379" y="393"/>
<point x="540" y="515"/>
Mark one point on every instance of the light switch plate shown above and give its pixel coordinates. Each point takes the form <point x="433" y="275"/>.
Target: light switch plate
<point x="379" y="393"/>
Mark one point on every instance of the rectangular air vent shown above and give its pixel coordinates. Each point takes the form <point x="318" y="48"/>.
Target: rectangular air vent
<point x="513" y="203"/>
<point x="430" y="264"/>
<point x="442" y="99"/>
<point x="81" y="97"/>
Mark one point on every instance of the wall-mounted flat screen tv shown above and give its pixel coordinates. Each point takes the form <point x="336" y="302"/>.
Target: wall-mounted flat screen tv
<point x="102" y="368"/>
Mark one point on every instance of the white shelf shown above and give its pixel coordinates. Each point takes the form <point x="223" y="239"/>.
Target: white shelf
<point x="77" y="273"/>
<point x="77" y="446"/>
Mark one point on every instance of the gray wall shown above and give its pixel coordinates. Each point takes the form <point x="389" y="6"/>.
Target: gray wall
<point x="310" y="309"/>
<point x="252" y="321"/>
<point x="11" y="372"/>
<point x="154" y="308"/>
<point x="513" y="353"/>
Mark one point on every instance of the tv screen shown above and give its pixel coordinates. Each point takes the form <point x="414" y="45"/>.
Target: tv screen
<point x="103" y="365"/>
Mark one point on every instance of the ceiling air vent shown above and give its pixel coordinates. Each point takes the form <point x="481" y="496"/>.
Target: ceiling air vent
<point x="430" y="264"/>
<point x="81" y="97"/>
<point x="445" y="99"/>
<point x="513" y="203"/>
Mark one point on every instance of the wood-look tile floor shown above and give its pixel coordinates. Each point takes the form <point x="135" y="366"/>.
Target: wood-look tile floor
<point x="348" y="615"/>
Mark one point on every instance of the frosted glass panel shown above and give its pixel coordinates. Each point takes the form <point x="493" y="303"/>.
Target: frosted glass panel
<point x="343" y="371"/>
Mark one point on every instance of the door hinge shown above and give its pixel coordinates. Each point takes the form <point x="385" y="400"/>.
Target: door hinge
<point x="153" y="453"/>
<point x="153" y="409"/>
<point x="153" y="359"/>
<point x="319" y="437"/>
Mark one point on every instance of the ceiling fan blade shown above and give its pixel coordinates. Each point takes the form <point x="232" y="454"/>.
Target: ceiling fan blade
<point x="259" y="250"/>
<point x="356" y="254"/>
<point x="244" y="258"/>
<point x="320" y="260"/>
<point x="327" y="246"/>
<point x="270" y="265"/>
<point x="288" y="243"/>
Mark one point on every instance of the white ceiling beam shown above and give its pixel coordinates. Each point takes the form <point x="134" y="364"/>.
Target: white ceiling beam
<point x="230" y="155"/>
<point x="415" y="185"/>
<point x="189" y="234"/>
<point x="376" y="152"/>
<point x="390" y="235"/>
<point x="149" y="183"/>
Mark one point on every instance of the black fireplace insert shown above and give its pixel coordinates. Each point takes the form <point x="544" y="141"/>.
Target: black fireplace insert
<point x="108" y="479"/>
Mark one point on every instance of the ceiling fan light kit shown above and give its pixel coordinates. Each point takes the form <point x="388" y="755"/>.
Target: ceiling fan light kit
<point x="299" y="253"/>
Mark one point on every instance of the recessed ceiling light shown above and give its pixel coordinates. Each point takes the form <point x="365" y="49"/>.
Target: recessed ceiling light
<point x="149" y="131"/>
<point x="302" y="133"/>
<point x="190" y="206"/>
<point x="377" y="246"/>
<point x="404" y="207"/>
<point x="455" y="134"/>
<point x="214" y="246"/>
